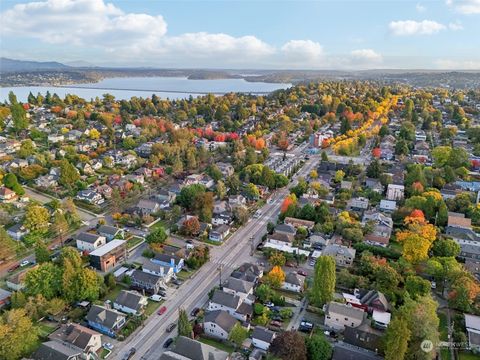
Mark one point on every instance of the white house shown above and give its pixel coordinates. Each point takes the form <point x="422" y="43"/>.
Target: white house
<point x="294" y="282"/>
<point x="130" y="302"/>
<point x="262" y="337"/>
<point x="472" y="324"/>
<point x="165" y="272"/>
<point x="338" y="315"/>
<point x="231" y="304"/>
<point x="395" y="192"/>
<point x="238" y="287"/>
<point x="89" y="242"/>
<point x="218" y="324"/>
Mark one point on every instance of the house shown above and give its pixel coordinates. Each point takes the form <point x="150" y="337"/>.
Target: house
<point x="374" y="184"/>
<point x="85" y="339"/>
<point x="395" y="192"/>
<point x="46" y="181"/>
<point x="374" y="300"/>
<point x="143" y="281"/>
<point x="189" y="349"/>
<point x="381" y="319"/>
<point x="388" y="206"/>
<point x="299" y="223"/>
<point x="226" y="169"/>
<point x="348" y="352"/>
<point x="218" y="324"/>
<point x="111" y="232"/>
<point x="224" y="218"/>
<point x="338" y="316"/>
<point x="262" y="337"/>
<point x="109" y="255"/>
<point x="106" y="321"/>
<point x="359" y="203"/>
<point x="248" y="272"/>
<point x="458" y="220"/>
<point x="173" y="261"/>
<point x="17" y="231"/>
<point x="236" y="200"/>
<point x="240" y="288"/>
<point x="4" y="298"/>
<point x="53" y="350"/>
<point x="89" y="242"/>
<point x="16" y="282"/>
<point x="294" y="282"/>
<point x="7" y="195"/>
<point x="364" y="336"/>
<point x="230" y="303"/>
<point x="219" y="233"/>
<point x="147" y="207"/>
<point x="130" y="302"/>
<point x="472" y="324"/>
<point x="343" y="255"/>
<point x="165" y="272"/>
<point x="90" y="196"/>
<point x="286" y="229"/>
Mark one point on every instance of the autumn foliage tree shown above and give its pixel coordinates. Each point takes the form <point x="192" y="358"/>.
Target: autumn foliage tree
<point x="191" y="226"/>
<point x="276" y="277"/>
<point x="290" y="200"/>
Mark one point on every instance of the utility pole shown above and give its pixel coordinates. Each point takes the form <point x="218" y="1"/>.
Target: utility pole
<point x="220" y="272"/>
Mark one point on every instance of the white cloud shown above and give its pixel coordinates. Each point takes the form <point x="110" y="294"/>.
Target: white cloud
<point x="447" y="64"/>
<point x="420" y="8"/>
<point x="455" y="26"/>
<point x="465" y="6"/>
<point x="412" y="27"/>
<point x="302" y="51"/>
<point x="366" y="56"/>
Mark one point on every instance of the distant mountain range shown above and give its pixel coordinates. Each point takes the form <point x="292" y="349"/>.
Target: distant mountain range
<point x="12" y="65"/>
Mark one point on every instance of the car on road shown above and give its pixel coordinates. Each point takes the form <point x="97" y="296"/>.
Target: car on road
<point x="168" y="343"/>
<point x="171" y="327"/>
<point x="162" y="310"/>
<point x="24" y="263"/>
<point x="257" y="214"/>
<point x="156" y="298"/>
<point x="195" y="312"/>
<point x="302" y="272"/>
<point x="130" y="353"/>
<point x="108" y="346"/>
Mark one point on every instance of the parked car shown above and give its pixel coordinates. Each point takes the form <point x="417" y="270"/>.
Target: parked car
<point x="269" y="304"/>
<point x="276" y="323"/>
<point x="168" y="343"/>
<point x="189" y="241"/>
<point x="290" y="264"/>
<point x="302" y="272"/>
<point x="162" y="293"/>
<point x="305" y="326"/>
<point x="108" y="346"/>
<point x="171" y="327"/>
<point x="433" y="285"/>
<point x="24" y="263"/>
<point x="195" y="312"/>
<point x="162" y="310"/>
<point x="177" y="282"/>
<point x="156" y="297"/>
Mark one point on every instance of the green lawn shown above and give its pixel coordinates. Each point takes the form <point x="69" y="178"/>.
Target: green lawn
<point x="463" y="355"/>
<point x="134" y="240"/>
<point x="185" y="275"/>
<point x="443" y="327"/>
<point x="289" y="294"/>
<point x="159" y="223"/>
<point x="217" y="344"/>
<point x="104" y="354"/>
<point x="152" y="307"/>
<point x="44" y="330"/>
<point x="112" y="294"/>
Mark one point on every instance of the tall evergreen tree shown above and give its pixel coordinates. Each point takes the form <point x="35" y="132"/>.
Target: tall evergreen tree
<point x="323" y="280"/>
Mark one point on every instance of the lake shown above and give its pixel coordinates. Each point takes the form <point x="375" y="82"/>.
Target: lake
<point x="164" y="87"/>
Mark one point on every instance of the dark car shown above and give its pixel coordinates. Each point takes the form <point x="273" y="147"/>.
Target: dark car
<point x="189" y="241"/>
<point x="171" y="327"/>
<point x="130" y="353"/>
<point x="162" y="293"/>
<point x="195" y="312"/>
<point x="302" y="272"/>
<point x="168" y="343"/>
<point x="177" y="282"/>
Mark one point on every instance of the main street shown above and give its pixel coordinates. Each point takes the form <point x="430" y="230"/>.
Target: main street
<point x="148" y="341"/>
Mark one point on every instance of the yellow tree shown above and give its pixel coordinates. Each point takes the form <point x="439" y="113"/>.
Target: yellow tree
<point x="417" y="238"/>
<point x="276" y="277"/>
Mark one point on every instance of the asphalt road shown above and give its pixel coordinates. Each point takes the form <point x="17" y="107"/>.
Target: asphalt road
<point x="149" y="340"/>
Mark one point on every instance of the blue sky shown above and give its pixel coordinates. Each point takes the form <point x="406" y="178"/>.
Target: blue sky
<point x="353" y="34"/>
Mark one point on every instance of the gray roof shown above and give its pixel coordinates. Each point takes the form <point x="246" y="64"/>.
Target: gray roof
<point x="107" y="229"/>
<point x="369" y="297"/>
<point x="195" y="350"/>
<point x="167" y="258"/>
<point x="74" y="334"/>
<point x="263" y="334"/>
<point x="349" y="311"/>
<point x="129" y="299"/>
<point x="222" y="319"/>
<point x="353" y="353"/>
<point x="144" y="277"/>
<point x="294" y="279"/>
<point x="88" y="237"/>
<point x="238" y="285"/>
<point x="56" y="350"/>
<point x="101" y="315"/>
<point x="285" y="228"/>
<point x="223" y="298"/>
<point x="335" y="250"/>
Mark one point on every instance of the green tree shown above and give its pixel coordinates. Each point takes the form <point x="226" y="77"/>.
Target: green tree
<point x="214" y="172"/>
<point x="238" y="334"/>
<point x="26" y="149"/>
<point x="252" y="192"/>
<point x="37" y="219"/>
<point x="189" y="194"/>
<point x="19" y="117"/>
<point x="264" y="292"/>
<point x="416" y="286"/>
<point x="442" y="216"/>
<point x="318" y="348"/>
<point x="158" y="236"/>
<point x="221" y="190"/>
<point x="60" y="225"/>
<point x="289" y="345"/>
<point x="42" y="254"/>
<point x="324" y="279"/>
<point x="45" y="280"/>
<point x="184" y="326"/>
<point x="10" y="181"/>
<point x="7" y="245"/>
<point x="396" y="339"/>
<point x="446" y="248"/>
<point x="18" y="335"/>
<point x="68" y="174"/>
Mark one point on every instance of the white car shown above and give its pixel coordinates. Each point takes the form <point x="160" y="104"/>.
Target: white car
<point x="434" y="285"/>
<point x="156" y="298"/>
<point x="24" y="263"/>
<point x="108" y="346"/>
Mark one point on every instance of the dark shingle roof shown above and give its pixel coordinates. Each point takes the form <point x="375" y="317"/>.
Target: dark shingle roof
<point x="223" y="298"/>
<point x="56" y="350"/>
<point x="263" y="334"/>
<point x="222" y="319"/>
<point x="195" y="350"/>
<point x="101" y="315"/>
<point x="238" y="285"/>
<point x="129" y="299"/>
<point x="88" y="237"/>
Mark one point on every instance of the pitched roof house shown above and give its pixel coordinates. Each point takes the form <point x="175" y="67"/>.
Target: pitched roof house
<point x="218" y="324"/>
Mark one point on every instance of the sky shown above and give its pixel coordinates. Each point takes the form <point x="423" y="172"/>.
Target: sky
<point x="243" y="34"/>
